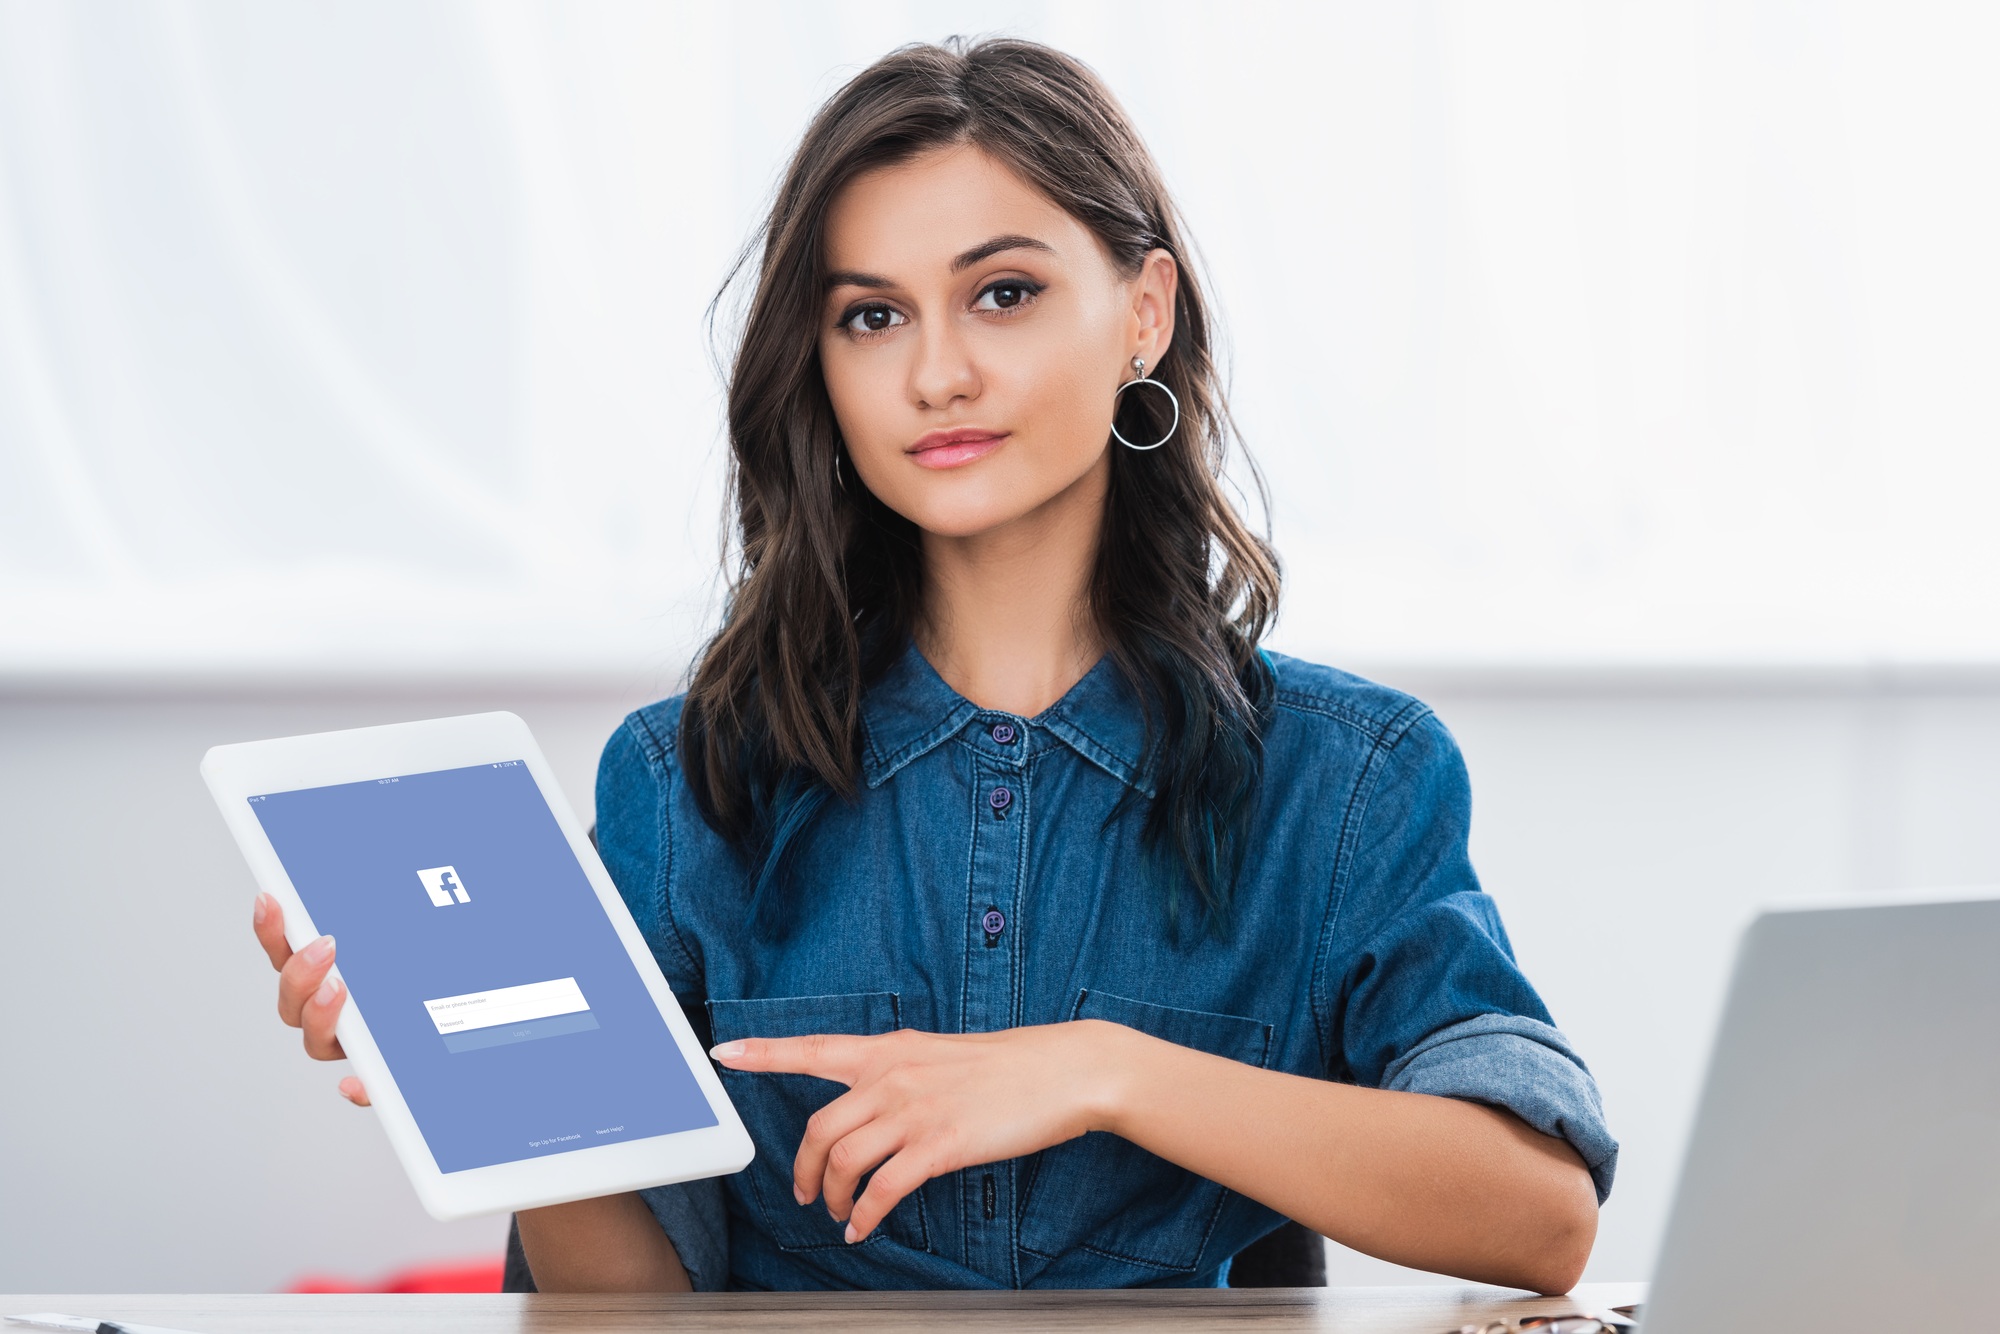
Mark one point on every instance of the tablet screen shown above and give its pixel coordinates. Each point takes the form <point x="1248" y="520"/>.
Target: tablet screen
<point x="489" y="974"/>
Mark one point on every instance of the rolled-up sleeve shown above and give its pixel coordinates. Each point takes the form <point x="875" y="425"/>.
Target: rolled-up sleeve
<point x="1524" y="1065"/>
<point x="696" y="1220"/>
<point x="1432" y="1000"/>
<point x="635" y="840"/>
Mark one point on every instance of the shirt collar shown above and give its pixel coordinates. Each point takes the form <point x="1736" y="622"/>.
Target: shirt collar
<point x="911" y="711"/>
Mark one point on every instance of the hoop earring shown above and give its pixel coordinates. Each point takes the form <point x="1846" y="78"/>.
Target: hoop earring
<point x="838" y="480"/>
<point x="1139" y="377"/>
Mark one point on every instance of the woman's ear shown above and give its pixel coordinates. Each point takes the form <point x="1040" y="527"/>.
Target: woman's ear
<point x="1152" y="330"/>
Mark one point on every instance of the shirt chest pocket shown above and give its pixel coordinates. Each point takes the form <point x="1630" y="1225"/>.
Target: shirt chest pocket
<point x="1105" y="1194"/>
<point x="775" y="1109"/>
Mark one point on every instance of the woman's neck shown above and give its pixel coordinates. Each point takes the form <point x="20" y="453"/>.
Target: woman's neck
<point x="1007" y="619"/>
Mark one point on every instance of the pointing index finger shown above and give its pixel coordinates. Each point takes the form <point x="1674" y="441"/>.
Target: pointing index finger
<point x="835" y="1056"/>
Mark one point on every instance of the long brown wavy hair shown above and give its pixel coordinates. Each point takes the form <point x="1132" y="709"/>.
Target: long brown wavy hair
<point x="827" y="583"/>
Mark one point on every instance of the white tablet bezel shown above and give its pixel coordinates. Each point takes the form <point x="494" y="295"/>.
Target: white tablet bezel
<point x="235" y="773"/>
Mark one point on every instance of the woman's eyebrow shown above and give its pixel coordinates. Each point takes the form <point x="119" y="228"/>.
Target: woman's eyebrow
<point x="988" y="249"/>
<point x="849" y="278"/>
<point x="984" y="250"/>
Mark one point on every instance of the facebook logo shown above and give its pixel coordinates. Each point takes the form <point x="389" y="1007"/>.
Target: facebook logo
<point x="442" y="884"/>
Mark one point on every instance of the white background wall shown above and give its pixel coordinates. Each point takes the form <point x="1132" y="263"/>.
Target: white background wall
<point x="1622" y="373"/>
<point x="370" y="333"/>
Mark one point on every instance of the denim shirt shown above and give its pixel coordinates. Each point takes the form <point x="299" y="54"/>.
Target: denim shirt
<point x="974" y="884"/>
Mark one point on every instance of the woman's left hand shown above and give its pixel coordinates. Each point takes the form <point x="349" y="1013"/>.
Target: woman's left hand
<point x="920" y="1104"/>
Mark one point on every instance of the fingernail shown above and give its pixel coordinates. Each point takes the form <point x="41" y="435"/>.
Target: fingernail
<point x="327" y="991"/>
<point x="723" y="1051"/>
<point x="319" y="951"/>
<point x="799" y="1194"/>
<point x="257" y="910"/>
<point x="851" y="1234"/>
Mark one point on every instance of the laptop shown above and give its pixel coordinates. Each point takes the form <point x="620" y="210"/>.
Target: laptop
<point x="1844" y="1170"/>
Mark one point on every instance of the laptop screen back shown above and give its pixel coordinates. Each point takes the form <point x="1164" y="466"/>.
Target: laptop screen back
<point x="1844" y="1170"/>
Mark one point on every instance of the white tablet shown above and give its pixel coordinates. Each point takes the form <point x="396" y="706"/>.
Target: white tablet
<point x="503" y="1010"/>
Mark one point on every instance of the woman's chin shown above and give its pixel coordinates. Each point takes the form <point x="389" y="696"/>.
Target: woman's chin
<point x="957" y="523"/>
<point x="966" y="516"/>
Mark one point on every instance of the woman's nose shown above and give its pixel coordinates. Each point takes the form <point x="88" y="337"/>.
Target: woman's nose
<point x="943" y="371"/>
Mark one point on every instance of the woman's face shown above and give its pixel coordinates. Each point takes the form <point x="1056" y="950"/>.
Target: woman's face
<point x="973" y="336"/>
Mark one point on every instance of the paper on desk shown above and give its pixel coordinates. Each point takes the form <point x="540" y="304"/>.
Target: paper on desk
<point x="77" y="1324"/>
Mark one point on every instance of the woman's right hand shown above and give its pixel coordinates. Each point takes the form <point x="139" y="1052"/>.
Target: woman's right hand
<point x="307" y="998"/>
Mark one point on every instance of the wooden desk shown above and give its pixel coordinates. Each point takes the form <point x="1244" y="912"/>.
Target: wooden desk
<point x="1238" y="1311"/>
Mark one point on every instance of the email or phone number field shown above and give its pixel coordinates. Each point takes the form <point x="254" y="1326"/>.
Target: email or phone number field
<point x="511" y="1014"/>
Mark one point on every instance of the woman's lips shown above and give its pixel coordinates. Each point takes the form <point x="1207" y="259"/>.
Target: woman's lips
<point x="952" y="449"/>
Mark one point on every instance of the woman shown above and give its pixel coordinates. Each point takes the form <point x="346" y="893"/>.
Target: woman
<point x="1050" y="931"/>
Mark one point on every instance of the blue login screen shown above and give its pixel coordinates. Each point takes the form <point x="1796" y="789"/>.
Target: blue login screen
<point x="474" y="947"/>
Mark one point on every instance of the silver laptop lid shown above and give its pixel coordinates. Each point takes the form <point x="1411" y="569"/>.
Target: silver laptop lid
<point x="1844" y="1170"/>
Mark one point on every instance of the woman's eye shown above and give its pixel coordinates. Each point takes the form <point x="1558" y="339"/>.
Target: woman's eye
<point x="872" y="319"/>
<point x="1006" y="295"/>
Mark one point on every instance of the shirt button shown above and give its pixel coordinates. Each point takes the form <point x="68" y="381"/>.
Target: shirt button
<point x="994" y="921"/>
<point x="1000" y="798"/>
<point x="1004" y="733"/>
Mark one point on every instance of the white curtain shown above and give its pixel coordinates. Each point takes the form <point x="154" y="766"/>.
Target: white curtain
<point x="352" y="338"/>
